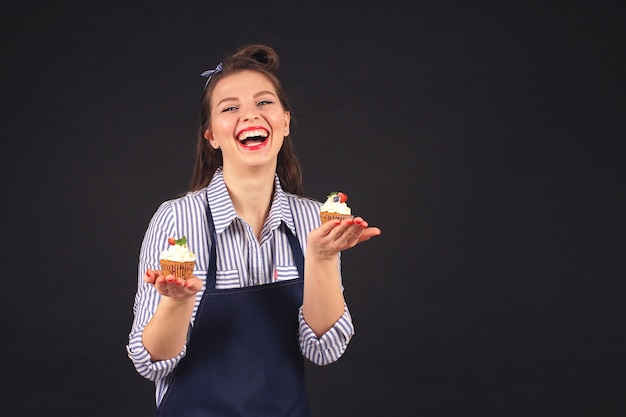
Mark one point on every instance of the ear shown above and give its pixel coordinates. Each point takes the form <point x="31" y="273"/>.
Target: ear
<point x="287" y="123"/>
<point x="209" y="136"/>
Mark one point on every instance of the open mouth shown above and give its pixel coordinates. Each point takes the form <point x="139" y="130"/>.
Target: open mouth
<point x="253" y="138"/>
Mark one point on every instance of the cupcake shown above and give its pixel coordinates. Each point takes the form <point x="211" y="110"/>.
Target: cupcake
<point x="177" y="259"/>
<point x="335" y="207"/>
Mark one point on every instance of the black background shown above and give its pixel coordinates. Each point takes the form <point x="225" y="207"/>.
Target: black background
<point x="485" y="139"/>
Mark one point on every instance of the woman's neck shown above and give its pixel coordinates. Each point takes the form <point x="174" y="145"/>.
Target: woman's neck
<point x="251" y="196"/>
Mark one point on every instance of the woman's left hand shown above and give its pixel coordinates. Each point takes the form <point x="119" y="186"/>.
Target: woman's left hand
<point x="335" y="236"/>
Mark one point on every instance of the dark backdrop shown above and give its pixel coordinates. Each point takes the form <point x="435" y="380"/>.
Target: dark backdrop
<point x="486" y="140"/>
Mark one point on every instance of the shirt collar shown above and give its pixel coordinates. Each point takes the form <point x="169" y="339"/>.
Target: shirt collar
<point x="224" y="213"/>
<point x="280" y="211"/>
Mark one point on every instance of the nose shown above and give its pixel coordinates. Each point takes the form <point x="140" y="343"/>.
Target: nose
<point x="250" y="112"/>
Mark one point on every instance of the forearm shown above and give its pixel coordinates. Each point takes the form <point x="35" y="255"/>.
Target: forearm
<point x="165" y="334"/>
<point x="323" y="301"/>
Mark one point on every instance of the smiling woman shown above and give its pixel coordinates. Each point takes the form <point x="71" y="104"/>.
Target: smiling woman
<point x="262" y="61"/>
<point x="248" y="123"/>
<point x="251" y="227"/>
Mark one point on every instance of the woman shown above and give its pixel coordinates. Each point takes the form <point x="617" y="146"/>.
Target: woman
<point x="231" y="340"/>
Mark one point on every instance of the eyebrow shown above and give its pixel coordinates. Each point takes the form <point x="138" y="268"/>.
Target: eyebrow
<point x="260" y="93"/>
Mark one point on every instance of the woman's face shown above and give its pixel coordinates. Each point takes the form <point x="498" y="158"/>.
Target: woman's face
<point x="248" y="122"/>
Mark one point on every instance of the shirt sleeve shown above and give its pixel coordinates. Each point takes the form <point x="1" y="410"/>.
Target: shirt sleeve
<point x="331" y="346"/>
<point x="151" y="370"/>
<point x="147" y="298"/>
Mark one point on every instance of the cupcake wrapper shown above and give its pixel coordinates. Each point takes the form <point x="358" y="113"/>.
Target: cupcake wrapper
<point x="178" y="269"/>
<point x="326" y="216"/>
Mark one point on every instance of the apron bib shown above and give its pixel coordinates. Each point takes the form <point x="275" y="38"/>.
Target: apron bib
<point x="243" y="356"/>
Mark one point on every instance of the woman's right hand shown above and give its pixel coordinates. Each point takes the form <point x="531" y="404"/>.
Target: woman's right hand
<point x="171" y="286"/>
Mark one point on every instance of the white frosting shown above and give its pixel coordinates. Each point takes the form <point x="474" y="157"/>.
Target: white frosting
<point x="178" y="253"/>
<point x="335" y="207"/>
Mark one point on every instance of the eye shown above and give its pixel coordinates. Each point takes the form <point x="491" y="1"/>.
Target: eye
<point x="229" y="108"/>
<point x="263" y="102"/>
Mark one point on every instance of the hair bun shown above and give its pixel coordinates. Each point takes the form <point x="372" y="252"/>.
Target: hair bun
<point x="261" y="54"/>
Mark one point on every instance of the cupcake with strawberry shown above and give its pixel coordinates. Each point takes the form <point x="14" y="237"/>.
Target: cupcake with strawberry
<point x="335" y="207"/>
<point x="177" y="259"/>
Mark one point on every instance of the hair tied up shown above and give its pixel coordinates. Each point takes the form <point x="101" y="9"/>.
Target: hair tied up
<point x="209" y="73"/>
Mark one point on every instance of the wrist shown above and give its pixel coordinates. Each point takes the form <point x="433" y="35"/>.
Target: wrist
<point x="321" y="257"/>
<point x="177" y="303"/>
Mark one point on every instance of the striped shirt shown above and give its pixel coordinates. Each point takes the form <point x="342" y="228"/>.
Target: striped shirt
<point x="242" y="260"/>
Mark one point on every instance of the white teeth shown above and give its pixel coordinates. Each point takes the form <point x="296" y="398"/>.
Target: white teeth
<point x="252" y="133"/>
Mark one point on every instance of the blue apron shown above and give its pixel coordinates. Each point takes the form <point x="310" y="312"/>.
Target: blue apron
<point x="243" y="355"/>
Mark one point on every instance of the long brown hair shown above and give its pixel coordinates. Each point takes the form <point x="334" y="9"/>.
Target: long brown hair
<point x="265" y="60"/>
